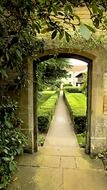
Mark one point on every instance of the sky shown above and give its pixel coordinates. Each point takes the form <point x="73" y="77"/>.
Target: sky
<point x="73" y="61"/>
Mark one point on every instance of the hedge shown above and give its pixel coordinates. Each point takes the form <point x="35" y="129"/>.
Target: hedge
<point x="45" y="113"/>
<point x="12" y="140"/>
<point x="43" y="96"/>
<point x="76" y="103"/>
<point x="71" y="89"/>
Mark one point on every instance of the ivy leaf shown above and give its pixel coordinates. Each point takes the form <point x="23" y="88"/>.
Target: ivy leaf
<point x="54" y="34"/>
<point x="19" y="54"/>
<point x="96" y="22"/>
<point x="2" y="186"/>
<point x="60" y="13"/>
<point x="5" y="151"/>
<point x="85" y="32"/>
<point x="61" y="34"/>
<point x="90" y="28"/>
<point x="36" y="27"/>
<point x="7" y="159"/>
<point x="45" y="30"/>
<point x="12" y="166"/>
<point x="68" y="8"/>
<point x="67" y="36"/>
<point x="77" y="17"/>
<point x="8" y="124"/>
<point x="7" y="56"/>
<point x="1" y="9"/>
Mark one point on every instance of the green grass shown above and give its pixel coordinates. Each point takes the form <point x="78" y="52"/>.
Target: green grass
<point x="77" y="102"/>
<point x="45" y="113"/>
<point x="44" y="96"/>
<point x="81" y="139"/>
<point x="48" y="105"/>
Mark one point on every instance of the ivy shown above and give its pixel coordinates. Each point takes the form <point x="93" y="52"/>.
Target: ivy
<point x="21" y="22"/>
<point x="9" y="147"/>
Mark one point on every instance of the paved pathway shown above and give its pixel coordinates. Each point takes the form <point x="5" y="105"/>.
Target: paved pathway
<point x="60" y="164"/>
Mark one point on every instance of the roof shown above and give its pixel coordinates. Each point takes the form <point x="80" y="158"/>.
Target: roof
<point x="79" y="75"/>
<point x="77" y="68"/>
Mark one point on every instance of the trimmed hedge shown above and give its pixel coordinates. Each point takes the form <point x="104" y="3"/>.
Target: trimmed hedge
<point x="76" y="103"/>
<point x="45" y="113"/>
<point x="80" y="124"/>
<point x="44" y="95"/>
<point x="71" y="89"/>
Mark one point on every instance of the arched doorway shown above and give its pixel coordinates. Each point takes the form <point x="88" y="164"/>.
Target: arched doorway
<point x="97" y="118"/>
<point x="89" y="90"/>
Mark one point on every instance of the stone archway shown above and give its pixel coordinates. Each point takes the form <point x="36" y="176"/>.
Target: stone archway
<point x="97" y="97"/>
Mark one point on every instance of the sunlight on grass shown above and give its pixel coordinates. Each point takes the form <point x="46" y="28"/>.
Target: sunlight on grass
<point x="77" y="102"/>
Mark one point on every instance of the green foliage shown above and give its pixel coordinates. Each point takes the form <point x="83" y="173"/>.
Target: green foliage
<point x="51" y="71"/>
<point x="72" y="89"/>
<point x="103" y="157"/>
<point x="84" y="86"/>
<point x="44" y="96"/>
<point x="67" y="85"/>
<point x="22" y="21"/>
<point x="80" y="124"/>
<point x="20" y="24"/>
<point x="76" y="103"/>
<point x="45" y="113"/>
<point x="12" y="141"/>
<point x="41" y="139"/>
<point x="81" y="139"/>
<point x="85" y="31"/>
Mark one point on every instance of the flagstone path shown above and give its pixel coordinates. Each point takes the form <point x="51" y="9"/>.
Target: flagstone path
<point x="60" y="164"/>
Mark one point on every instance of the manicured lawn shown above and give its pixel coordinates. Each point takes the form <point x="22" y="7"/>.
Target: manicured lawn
<point x="43" y="96"/>
<point x="77" y="102"/>
<point x="46" y="111"/>
<point x="46" y="106"/>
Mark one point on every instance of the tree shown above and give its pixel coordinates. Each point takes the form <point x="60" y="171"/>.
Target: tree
<point x="51" y="71"/>
<point x="84" y="86"/>
<point x="20" y="23"/>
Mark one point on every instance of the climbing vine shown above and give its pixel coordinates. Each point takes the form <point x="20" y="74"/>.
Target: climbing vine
<point x="21" y="21"/>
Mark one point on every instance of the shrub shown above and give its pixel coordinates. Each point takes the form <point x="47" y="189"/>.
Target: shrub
<point x="76" y="103"/>
<point x="12" y="141"/>
<point x="45" y="113"/>
<point x="43" y="122"/>
<point x="67" y="85"/>
<point x="81" y="139"/>
<point x="80" y="124"/>
<point x="71" y="89"/>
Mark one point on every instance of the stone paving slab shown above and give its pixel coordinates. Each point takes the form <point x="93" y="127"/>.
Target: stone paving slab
<point x="61" y="151"/>
<point x="60" y="164"/>
<point x="88" y="163"/>
<point x="39" y="161"/>
<point x="84" y="180"/>
<point x="68" y="162"/>
<point x="31" y="178"/>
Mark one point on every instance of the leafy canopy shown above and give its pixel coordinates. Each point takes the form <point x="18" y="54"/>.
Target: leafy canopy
<point x="22" y="20"/>
<point x="51" y="70"/>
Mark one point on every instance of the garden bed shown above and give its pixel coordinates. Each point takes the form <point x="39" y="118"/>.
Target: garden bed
<point x="45" y="113"/>
<point x="44" y="96"/>
<point x="76" y="103"/>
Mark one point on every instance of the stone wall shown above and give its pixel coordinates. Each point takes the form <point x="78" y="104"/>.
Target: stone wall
<point x="97" y="95"/>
